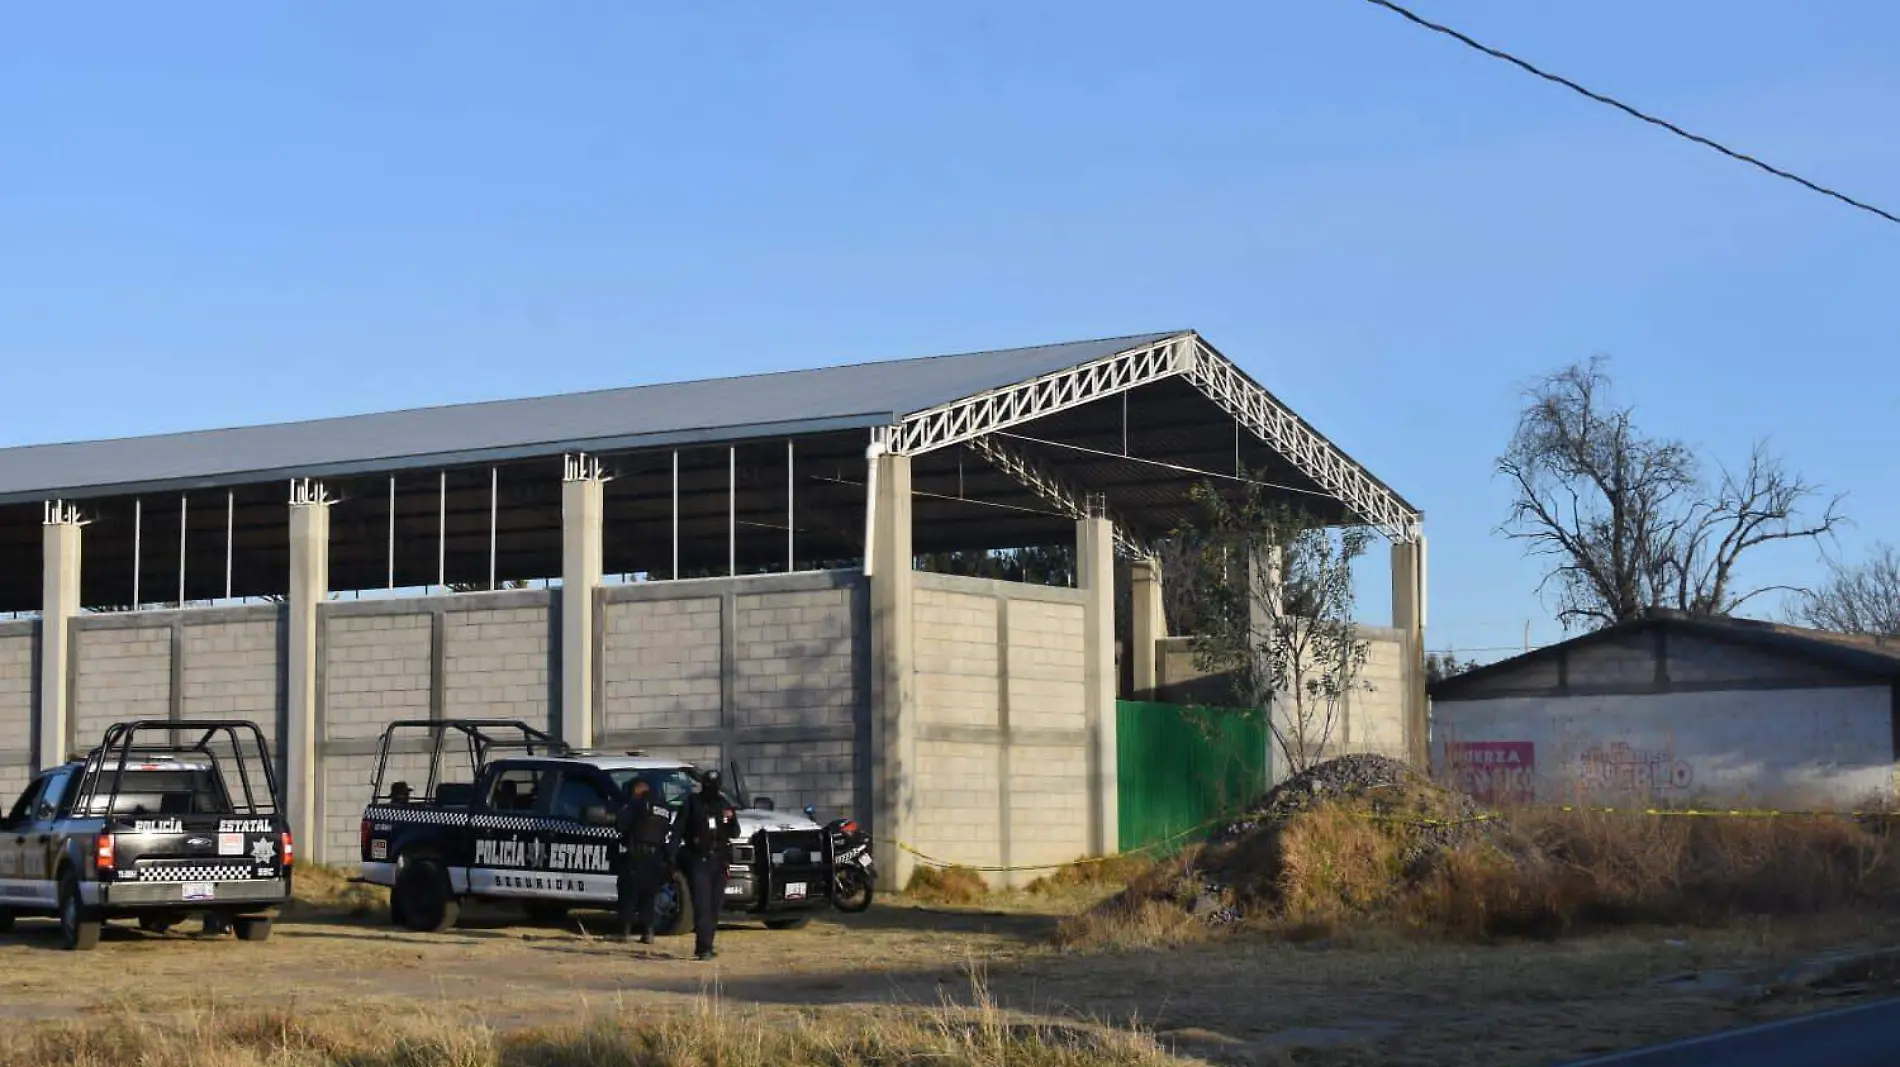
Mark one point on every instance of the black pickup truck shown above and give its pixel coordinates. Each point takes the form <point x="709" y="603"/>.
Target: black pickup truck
<point x="525" y="819"/>
<point x="149" y="826"/>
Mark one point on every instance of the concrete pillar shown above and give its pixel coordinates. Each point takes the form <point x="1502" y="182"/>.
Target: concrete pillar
<point x="581" y="509"/>
<point x="893" y="672"/>
<point x="1408" y="617"/>
<point x="309" y="588"/>
<point x="1095" y="574"/>
<point x="1147" y="625"/>
<point x="59" y="601"/>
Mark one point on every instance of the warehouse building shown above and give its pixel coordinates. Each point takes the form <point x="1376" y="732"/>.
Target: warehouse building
<point x="721" y="569"/>
<point x="1676" y="710"/>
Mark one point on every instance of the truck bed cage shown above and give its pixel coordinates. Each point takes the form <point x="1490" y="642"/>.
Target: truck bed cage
<point x="118" y="749"/>
<point x="482" y="737"/>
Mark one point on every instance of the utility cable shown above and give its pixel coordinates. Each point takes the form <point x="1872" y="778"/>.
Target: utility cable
<point x="1632" y="112"/>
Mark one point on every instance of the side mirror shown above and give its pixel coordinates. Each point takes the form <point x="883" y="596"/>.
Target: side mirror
<point x="762" y="803"/>
<point x="597" y="815"/>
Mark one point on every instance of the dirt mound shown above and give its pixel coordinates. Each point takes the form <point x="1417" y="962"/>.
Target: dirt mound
<point x="1349" y="838"/>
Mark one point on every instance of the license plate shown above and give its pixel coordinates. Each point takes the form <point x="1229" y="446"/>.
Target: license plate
<point x="794" y="891"/>
<point x="734" y="890"/>
<point x="379" y="850"/>
<point x="230" y="844"/>
<point x="198" y="891"/>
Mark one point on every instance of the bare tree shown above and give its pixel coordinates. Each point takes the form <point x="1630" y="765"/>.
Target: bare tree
<point x="1860" y="598"/>
<point x="1629" y="521"/>
<point x="1284" y="634"/>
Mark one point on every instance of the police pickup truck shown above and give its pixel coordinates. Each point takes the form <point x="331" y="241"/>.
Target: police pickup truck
<point x="165" y="819"/>
<point x="521" y="818"/>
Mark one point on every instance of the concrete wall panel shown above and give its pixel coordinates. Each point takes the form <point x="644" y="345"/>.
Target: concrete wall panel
<point x="794" y="659"/>
<point x="232" y="671"/>
<point x="377" y="668"/>
<point x="662" y="667"/>
<point x="1794" y="747"/>
<point x="496" y="661"/>
<point x="124" y="673"/>
<point x="956" y="660"/>
<point x="17" y="687"/>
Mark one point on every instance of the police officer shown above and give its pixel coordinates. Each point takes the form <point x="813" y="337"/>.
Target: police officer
<point x="643" y="827"/>
<point x="708" y="828"/>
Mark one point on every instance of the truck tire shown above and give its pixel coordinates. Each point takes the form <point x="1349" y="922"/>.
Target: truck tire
<point x="78" y="925"/>
<point x="252" y="929"/>
<point x="424" y="898"/>
<point x="788" y="923"/>
<point x="673" y="907"/>
<point x="6" y="920"/>
<point x="157" y="924"/>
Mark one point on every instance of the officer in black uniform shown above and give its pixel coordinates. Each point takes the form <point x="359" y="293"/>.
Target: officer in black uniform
<point x="643" y="827"/>
<point x="708" y="828"/>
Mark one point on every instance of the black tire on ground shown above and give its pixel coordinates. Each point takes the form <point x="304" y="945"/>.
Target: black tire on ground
<point x="251" y="929"/>
<point x="79" y="925"/>
<point x="215" y="924"/>
<point x="157" y="924"/>
<point x="542" y="911"/>
<point x="673" y="910"/>
<point x="853" y="891"/>
<point x="788" y="923"/>
<point x="6" y="920"/>
<point x="425" y="898"/>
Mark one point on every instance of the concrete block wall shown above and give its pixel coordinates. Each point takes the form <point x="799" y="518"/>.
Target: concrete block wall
<point x="497" y="661"/>
<point x="663" y="668"/>
<point x="1003" y="739"/>
<point x="375" y="669"/>
<point x="769" y="671"/>
<point x="19" y="643"/>
<point x="122" y="672"/>
<point x="232" y="670"/>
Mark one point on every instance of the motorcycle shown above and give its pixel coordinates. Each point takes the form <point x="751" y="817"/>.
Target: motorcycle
<point x="853" y="874"/>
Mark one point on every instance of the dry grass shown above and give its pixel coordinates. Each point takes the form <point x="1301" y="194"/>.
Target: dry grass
<point x="1098" y="875"/>
<point x="327" y="892"/>
<point x="946" y="885"/>
<point x="1540" y="873"/>
<point x="982" y="1036"/>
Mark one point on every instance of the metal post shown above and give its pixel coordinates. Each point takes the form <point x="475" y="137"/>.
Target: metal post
<point x="392" y="532"/>
<point x="676" y="514"/>
<point x="138" y="522"/>
<point x="230" y="526"/>
<point x="442" y="533"/>
<point x="494" y="496"/>
<point x="182" y="498"/>
<point x="732" y="511"/>
<point x="790" y="489"/>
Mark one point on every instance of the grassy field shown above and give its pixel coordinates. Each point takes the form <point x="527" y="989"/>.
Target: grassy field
<point x="977" y="983"/>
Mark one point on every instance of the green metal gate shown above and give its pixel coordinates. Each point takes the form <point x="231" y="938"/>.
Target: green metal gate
<point x="1182" y="766"/>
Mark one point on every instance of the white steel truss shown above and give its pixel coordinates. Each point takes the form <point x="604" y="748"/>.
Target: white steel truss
<point x="1058" y="493"/>
<point x="1185" y="355"/>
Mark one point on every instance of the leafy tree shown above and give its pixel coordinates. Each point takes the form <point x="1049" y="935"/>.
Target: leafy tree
<point x="1630" y="522"/>
<point x="1442" y="665"/>
<point x="1285" y="635"/>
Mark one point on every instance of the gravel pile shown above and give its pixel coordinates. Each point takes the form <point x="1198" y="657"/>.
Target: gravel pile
<point x="1335" y="779"/>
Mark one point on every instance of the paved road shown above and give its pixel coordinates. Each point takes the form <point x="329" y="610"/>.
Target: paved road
<point x="1866" y="1035"/>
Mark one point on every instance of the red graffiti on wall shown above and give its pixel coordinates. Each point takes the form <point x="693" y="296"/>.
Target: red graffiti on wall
<point x="1621" y="768"/>
<point x="1494" y="772"/>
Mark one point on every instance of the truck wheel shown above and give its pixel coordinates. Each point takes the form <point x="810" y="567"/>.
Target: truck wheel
<point x="78" y="925"/>
<point x="252" y="929"/>
<point x="673" y="907"/>
<point x="424" y="897"/>
<point x="6" y="920"/>
<point x="157" y="924"/>
<point x="788" y="923"/>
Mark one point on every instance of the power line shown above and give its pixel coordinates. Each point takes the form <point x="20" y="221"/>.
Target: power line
<point x="1634" y="113"/>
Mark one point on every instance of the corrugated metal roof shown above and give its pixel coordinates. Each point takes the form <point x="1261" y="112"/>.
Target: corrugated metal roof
<point x="865" y="394"/>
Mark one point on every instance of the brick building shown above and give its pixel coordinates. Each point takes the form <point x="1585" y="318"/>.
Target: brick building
<point x="720" y="569"/>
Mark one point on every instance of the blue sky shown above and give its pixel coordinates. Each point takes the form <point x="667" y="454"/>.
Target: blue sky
<point x="260" y="212"/>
